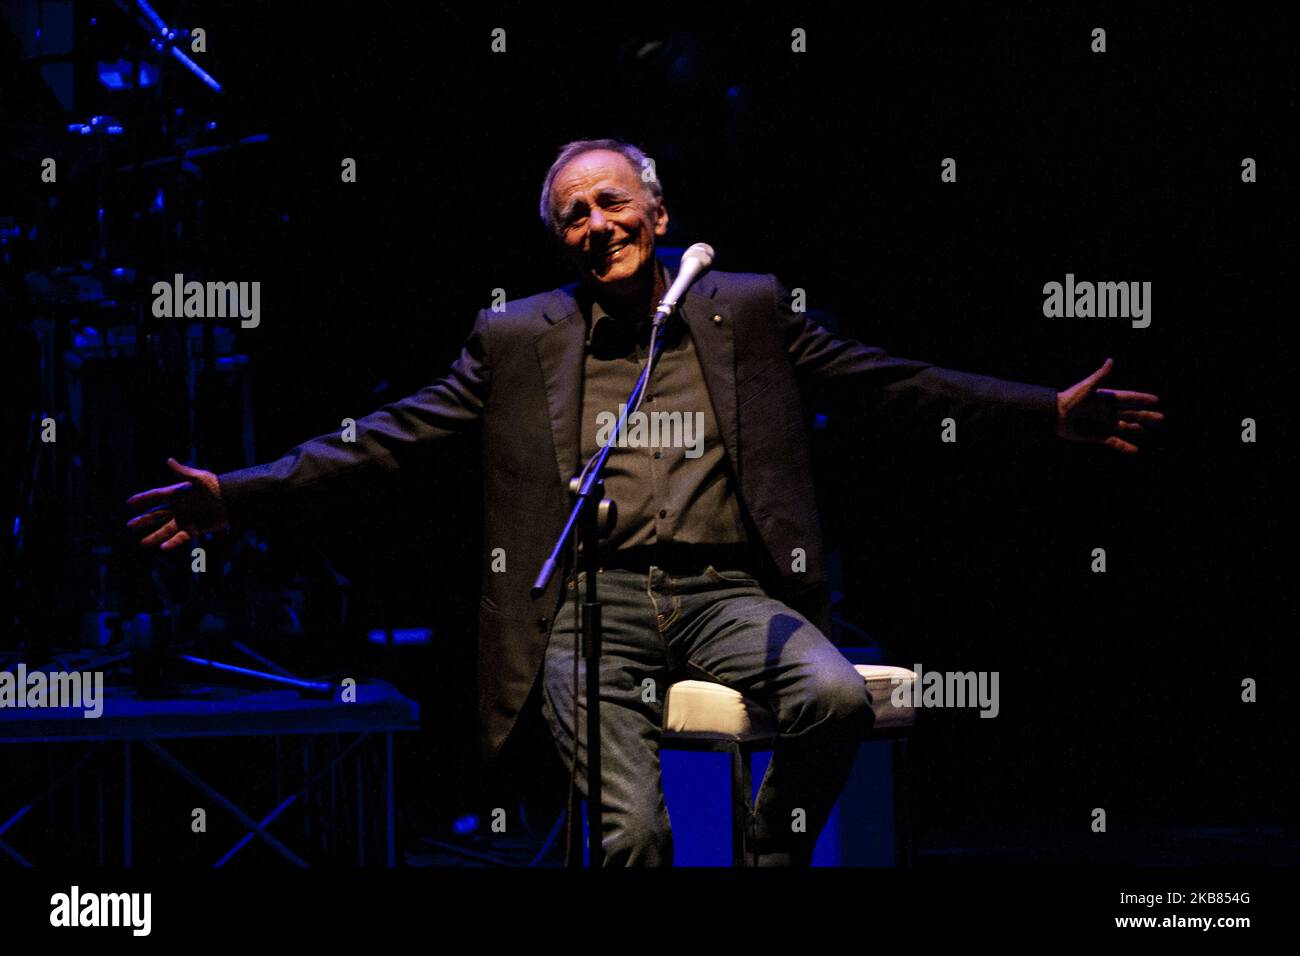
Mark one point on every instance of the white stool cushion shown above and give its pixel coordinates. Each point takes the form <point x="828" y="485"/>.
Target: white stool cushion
<point x="705" y="710"/>
<point x="883" y="682"/>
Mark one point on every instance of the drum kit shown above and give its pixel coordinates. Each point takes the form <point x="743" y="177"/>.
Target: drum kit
<point x="104" y="389"/>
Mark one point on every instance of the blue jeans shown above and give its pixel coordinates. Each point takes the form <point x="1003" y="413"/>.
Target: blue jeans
<point x="720" y="626"/>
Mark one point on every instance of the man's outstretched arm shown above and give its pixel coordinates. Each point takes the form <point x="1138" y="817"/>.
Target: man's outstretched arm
<point x="206" y="502"/>
<point x="1082" y="412"/>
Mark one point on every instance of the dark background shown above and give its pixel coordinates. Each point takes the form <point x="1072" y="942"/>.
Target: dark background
<point x="1118" y="690"/>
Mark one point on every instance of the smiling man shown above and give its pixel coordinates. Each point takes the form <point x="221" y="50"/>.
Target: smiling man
<point x="606" y="206"/>
<point x="697" y="576"/>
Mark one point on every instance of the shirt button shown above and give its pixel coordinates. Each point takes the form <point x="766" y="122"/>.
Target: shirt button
<point x="663" y="512"/>
<point x="659" y="454"/>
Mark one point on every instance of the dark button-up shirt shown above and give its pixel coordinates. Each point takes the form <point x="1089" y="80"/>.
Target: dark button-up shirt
<point x="669" y="477"/>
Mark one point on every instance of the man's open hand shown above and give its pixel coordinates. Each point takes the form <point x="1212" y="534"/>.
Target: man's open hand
<point x="180" y="512"/>
<point x="1105" y="416"/>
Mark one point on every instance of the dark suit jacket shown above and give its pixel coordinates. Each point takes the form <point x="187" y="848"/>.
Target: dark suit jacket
<point x="518" y="383"/>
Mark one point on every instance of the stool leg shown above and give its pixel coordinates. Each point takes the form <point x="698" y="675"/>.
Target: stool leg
<point x="902" y="803"/>
<point x="741" y="802"/>
<point x="574" y="852"/>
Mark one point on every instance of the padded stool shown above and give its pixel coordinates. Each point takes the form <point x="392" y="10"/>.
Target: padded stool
<point x="701" y="715"/>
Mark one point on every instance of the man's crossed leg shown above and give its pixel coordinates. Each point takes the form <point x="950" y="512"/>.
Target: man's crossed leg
<point x="718" y="626"/>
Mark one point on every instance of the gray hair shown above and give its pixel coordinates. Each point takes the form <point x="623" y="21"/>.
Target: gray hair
<point x="635" y="157"/>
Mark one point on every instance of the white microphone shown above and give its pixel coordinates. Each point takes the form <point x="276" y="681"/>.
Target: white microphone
<point x="695" y="262"/>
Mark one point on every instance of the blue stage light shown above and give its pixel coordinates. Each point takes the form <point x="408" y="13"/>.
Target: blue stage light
<point x="117" y="75"/>
<point x="149" y="12"/>
<point x="111" y="77"/>
<point x="403" y="636"/>
<point x="196" y="70"/>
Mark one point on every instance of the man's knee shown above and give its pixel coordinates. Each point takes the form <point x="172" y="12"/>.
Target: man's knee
<point x="841" y="702"/>
<point x="638" y="838"/>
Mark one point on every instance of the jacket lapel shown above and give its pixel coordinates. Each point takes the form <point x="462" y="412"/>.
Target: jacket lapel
<point x="561" y="352"/>
<point x="716" y="349"/>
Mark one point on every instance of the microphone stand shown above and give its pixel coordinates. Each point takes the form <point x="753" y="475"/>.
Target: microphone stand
<point x="593" y="517"/>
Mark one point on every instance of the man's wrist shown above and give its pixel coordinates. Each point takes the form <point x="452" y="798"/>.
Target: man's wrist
<point x="235" y="489"/>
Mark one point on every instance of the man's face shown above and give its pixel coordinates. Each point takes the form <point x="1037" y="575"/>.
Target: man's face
<point x="608" y="222"/>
